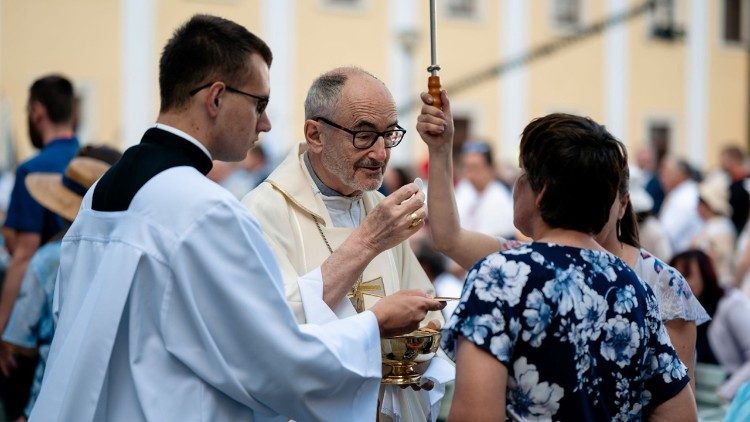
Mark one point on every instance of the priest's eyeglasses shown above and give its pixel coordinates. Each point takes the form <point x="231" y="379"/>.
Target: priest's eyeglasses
<point x="363" y="139"/>
<point x="261" y="102"/>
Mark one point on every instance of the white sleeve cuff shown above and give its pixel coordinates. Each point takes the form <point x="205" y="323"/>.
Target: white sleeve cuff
<point x="316" y="310"/>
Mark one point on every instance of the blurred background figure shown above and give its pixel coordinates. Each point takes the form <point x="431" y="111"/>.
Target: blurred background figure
<point x="732" y="162"/>
<point x="248" y="173"/>
<point x="484" y="203"/>
<point x="434" y="265"/>
<point x="726" y="339"/>
<point x="51" y="124"/>
<point x="394" y="178"/>
<point x="651" y="233"/>
<point x="31" y="325"/>
<point x="646" y="161"/>
<point x="679" y="212"/>
<point x="717" y="236"/>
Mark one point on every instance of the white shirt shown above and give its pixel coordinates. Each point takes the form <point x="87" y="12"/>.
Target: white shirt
<point x="489" y="212"/>
<point x="174" y="311"/>
<point x="679" y="215"/>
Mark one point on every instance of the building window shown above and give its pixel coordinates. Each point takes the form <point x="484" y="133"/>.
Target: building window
<point x="664" y="24"/>
<point x="566" y="14"/>
<point x="355" y="5"/>
<point x="660" y="137"/>
<point x="462" y="9"/>
<point x="736" y="21"/>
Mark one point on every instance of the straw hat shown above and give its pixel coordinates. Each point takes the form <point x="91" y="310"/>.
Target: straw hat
<point x="714" y="191"/>
<point x="62" y="194"/>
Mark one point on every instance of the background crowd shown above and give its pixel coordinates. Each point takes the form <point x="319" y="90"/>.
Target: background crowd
<point x="694" y="219"/>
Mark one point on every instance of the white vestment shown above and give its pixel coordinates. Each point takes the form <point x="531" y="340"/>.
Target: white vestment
<point x="288" y="205"/>
<point x="174" y="310"/>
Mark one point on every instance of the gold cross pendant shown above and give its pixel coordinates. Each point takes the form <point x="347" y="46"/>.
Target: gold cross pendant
<point x="374" y="287"/>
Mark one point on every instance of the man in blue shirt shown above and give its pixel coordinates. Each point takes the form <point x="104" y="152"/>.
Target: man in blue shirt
<point x="51" y="121"/>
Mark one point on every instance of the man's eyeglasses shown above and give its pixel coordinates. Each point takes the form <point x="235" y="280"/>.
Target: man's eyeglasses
<point x="363" y="139"/>
<point x="261" y="102"/>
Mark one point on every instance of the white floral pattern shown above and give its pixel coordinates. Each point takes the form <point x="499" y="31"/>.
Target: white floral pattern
<point x="579" y="333"/>
<point x="501" y="280"/>
<point x="676" y="300"/>
<point x="530" y="398"/>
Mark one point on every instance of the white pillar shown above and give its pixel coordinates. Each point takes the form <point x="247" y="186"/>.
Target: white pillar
<point x="402" y="19"/>
<point x="514" y="41"/>
<point x="616" y="75"/>
<point x="696" y="116"/>
<point x="279" y="31"/>
<point x="137" y="78"/>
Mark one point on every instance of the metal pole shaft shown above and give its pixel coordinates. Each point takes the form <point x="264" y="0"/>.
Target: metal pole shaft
<point x="433" y="39"/>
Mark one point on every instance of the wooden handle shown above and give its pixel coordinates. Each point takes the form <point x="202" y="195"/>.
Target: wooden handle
<point x="433" y="88"/>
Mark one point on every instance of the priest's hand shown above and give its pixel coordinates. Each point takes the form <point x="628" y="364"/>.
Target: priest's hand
<point x="401" y="312"/>
<point x="394" y="219"/>
<point x="435" y="125"/>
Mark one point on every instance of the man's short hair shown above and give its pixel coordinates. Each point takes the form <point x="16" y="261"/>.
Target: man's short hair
<point x="479" y="147"/>
<point x="734" y="152"/>
<point x="55" y="93"/>
<point x="204" y="49"/>
<point x="325" y="91"/>
<point x="581" y="166"/>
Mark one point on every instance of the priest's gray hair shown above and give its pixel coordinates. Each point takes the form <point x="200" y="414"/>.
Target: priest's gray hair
<point x="325" y="91"/>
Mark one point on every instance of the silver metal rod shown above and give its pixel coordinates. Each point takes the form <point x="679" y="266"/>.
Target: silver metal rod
<point x="433" y="39"/>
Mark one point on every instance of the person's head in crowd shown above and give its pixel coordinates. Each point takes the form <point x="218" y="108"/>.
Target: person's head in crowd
<point x="351" y="125"/>
<point x="564" y="158"/>
<point x="63" y="193"/>
<point x="213" y="80"/>
<point x="732" y="161"/>
<point x="713" y="198"/>
<point x="51" y="109"/>
<point x="395" y="177"/>
<point x="700" y="274"/>
<point x="100" y="152"/>
<point x="645" y="159"/>
<point x="673" y="172"/>
<point x="478" y="164"/>
<point x="640" y="199"/>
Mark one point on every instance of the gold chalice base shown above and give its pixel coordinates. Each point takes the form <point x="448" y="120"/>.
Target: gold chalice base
<point x="401" y="353"/>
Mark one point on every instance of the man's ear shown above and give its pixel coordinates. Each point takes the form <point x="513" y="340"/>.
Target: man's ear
<point x="213" y="99"/>
<point x="312" y="136"/>
<point x="540" y="195"/>
<point x="37" y="111"/>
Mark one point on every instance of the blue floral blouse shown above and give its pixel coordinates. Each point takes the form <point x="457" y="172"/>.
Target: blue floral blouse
<point x="578" y="331"/>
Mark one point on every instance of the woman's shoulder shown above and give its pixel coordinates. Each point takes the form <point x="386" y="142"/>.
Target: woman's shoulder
<point x="672" y="291"/>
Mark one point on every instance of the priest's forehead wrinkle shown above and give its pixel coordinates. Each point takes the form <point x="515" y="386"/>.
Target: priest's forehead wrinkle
<point x="366" y="104"/>
<point x="324" y="93"/>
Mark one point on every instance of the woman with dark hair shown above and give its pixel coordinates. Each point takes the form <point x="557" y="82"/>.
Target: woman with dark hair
<point x="678" y="308"/>
<point x="726" y="340"/>
<point x="559" y="328"/>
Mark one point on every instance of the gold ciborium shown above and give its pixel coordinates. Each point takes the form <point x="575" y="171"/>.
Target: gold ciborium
<point x="401" y="353"/>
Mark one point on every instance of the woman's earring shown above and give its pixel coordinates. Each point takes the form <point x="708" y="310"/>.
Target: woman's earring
<point x="619" y="231"/>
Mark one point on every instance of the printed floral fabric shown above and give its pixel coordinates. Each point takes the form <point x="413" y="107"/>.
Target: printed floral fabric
<point x="579" y="333"/>
<point x="31" y="323"/>
<point x="673" y="294"/>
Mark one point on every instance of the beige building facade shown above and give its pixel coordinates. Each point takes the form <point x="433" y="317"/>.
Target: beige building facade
<point x="690" y="90"/>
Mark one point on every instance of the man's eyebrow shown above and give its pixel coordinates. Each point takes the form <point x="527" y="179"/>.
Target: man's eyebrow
<point x="369" y="125"/>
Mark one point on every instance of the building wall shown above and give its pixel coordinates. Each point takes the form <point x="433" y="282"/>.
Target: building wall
<point x="77" y="38"/>
<point x="309" y="37"/>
